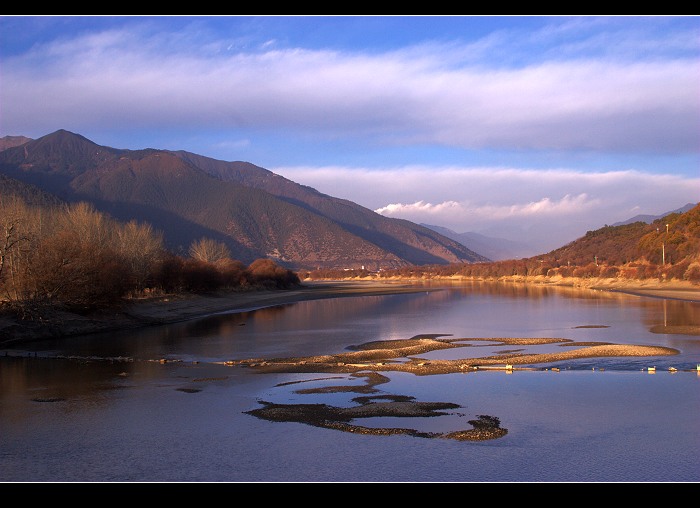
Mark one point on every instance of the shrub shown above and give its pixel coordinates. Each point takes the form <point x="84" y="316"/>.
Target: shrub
<point x="266" y="272"/>
<point x="200" y="277"/>
<point x="693" y="272"/>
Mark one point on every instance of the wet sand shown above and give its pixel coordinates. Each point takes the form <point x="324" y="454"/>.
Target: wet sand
<point x="401" y="356"/>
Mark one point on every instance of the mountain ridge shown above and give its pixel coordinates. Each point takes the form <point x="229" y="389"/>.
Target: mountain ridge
<point x="255" y="212"/>
<point x="648" y="219"/>
<point x="495" y="249"/>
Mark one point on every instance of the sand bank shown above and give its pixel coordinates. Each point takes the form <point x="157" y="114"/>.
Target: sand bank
<point x="402" y="356"/>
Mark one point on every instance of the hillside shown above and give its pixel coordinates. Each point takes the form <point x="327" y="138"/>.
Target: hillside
<point x="29" y="194"/>
<point x="256" y="213"/>
<point x="672" y="240"/>
<point x="666" y="249"/>
<point x="399" y="236"/>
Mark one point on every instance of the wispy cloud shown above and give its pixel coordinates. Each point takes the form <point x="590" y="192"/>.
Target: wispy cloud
<point x="429" y="93"/>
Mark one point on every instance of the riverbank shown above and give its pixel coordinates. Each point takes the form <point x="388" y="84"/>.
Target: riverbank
<point x="154" y="311"/>
<point x="655" y="288"/>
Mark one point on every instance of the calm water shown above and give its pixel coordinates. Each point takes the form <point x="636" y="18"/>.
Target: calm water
<point x="103" y="409"/>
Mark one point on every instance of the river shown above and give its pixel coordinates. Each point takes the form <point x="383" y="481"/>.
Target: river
<point x="161" y="405"/>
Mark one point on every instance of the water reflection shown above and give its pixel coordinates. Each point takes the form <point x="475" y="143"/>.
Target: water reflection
<point x="673" y="313"/>
<point x="51" y="380"/>
<point x="136" y="419"/>
<point x="464" y="309"/>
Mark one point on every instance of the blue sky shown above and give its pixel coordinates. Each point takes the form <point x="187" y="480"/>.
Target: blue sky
<point x="534" y="129"/>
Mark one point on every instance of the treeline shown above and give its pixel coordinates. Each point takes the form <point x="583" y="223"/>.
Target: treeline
<point x="666" y="249"/>
<point x="78" y="259"/>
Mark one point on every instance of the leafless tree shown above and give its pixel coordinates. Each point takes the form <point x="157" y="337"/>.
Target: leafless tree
<point x="140" y="248"/>
<point x="209" y="251"/>
<point x="20" y="227"/>
<point x="90" y="226"/>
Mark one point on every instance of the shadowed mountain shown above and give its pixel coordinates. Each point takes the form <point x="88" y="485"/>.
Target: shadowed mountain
<point x="419" y="244"/>
<point x="254" y="211"/>
<point x="27" y="193"/>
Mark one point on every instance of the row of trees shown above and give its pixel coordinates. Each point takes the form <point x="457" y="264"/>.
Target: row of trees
<point x="80" y="259"/>
<point x="685" y="269"/>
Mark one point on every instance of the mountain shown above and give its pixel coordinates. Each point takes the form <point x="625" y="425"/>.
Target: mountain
<point x="12" y="141"/>
<point x="255" y="212"/>
<point x="651" y="218"/>
<point x="495" y="249"/>
<point x="671" y="240"/>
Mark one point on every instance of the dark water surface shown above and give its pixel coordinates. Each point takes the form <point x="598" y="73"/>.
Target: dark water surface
<point x="105" y="409"/>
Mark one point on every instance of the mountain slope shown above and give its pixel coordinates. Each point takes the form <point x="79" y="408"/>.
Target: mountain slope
<point x="666" y="249"/>
<point x="404" y="238"/>
<point x="27" y="193"/>
<point x="671" y="238"/>
<point x="255" y="212"/>
<point x="495" y="249"/>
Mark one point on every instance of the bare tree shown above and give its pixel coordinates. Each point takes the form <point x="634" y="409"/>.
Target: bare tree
<point x="76" y="274"/>
<point x="19" y="226"/>
<point x="140" y="248"/>
<point x="209" y="251"/>
<point x="11" y="237"/>
<point x="89" y="225"/>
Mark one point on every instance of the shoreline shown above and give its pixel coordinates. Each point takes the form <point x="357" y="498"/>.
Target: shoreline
<point x="169" y="309"/>
<point x="654" y="288"/>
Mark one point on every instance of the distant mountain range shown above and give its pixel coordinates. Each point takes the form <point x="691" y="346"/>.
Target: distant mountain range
<point x="648" y="219"/>
<point x="495" y="249"/>
<point x="256" y="213"/>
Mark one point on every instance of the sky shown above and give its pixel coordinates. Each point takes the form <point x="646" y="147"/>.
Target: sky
<point x="535" y="129"/>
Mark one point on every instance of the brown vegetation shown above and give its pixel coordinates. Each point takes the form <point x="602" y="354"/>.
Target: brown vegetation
<point x="75" y="258"/>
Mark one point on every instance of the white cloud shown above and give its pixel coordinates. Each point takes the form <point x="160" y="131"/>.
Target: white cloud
<point x="420" y="207"/>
